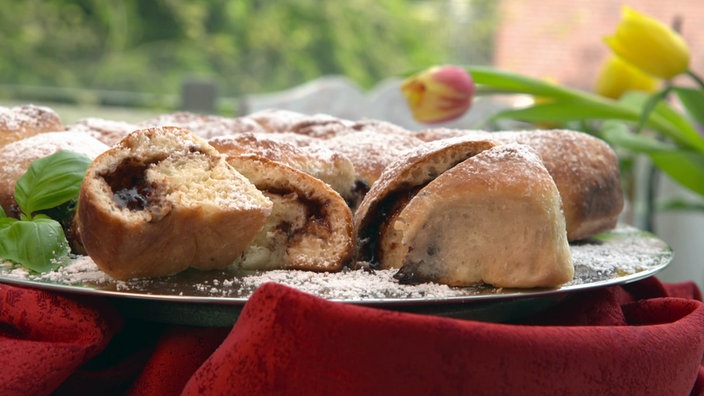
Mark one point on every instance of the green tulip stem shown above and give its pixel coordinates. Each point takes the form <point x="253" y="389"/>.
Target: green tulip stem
<point x="696" y="78"/>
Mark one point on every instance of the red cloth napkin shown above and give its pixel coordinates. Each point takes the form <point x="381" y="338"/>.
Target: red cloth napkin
<point x="644" y="338"/>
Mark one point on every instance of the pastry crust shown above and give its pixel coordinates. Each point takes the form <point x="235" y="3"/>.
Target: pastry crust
<point x="107" y="131"/>
<point x="310" y="227"/>
<point x="163" y="200"/>
<point x="205" y="126"/>
<point x="495" y="218"/>
<point x="321" y="126"/>
<point x="301" y="152"/>
<point x="585" y="170"/>
<point x="20" y="122"/>
<point x="371" y="152"/>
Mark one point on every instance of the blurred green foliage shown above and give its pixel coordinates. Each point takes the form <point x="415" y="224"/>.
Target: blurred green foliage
<point x="244" y="46"/>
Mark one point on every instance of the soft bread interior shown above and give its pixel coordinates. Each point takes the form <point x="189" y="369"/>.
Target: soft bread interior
<point x="310" y="227"/>
<point x="495" y="218"/>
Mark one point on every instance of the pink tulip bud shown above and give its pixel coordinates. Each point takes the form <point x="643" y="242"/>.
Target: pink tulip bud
<point x="439" y="94"/>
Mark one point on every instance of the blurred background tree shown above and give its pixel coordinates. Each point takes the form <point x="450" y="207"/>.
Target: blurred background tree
<point x="243" y="46"/>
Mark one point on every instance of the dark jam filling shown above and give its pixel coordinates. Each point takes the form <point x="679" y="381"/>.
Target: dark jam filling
<point x="134" y="198"/>
<point x="315" y="211"/>
<point x="386" y="210"/>
<point x="129" y="187"/>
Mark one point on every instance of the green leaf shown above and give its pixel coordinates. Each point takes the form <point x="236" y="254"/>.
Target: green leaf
<point x="650" y="105"/>
<point x="617" y="134"/>
<point x="51" y="181"/>
<point x="39" y="245"/>
<point x="508" y="82"/>
<point x="666" y="120"/>
<point x="679" y="203"/>
<point x="685" y="167"/>
<point x="693" y="102"/>
<point x="573" y="110"/>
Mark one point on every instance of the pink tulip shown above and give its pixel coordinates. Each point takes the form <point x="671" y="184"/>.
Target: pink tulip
<point x="439" y="94"/>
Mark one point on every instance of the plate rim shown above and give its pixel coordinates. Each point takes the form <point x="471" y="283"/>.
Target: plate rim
<point x="505" y="294"/>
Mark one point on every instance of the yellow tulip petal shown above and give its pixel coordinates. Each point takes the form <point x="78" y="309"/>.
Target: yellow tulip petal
<point x="649" y="45"/>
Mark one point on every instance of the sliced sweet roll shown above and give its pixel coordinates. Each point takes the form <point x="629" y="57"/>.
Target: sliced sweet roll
<point x="461" y="212"/>
<point x="163" y="200"/>
<point x="310" y="227"/>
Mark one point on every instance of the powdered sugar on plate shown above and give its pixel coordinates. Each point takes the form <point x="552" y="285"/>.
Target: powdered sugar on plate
<point x="622" y="255"/>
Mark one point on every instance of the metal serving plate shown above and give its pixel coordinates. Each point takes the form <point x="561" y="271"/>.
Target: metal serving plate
<point x="215" y="298"/>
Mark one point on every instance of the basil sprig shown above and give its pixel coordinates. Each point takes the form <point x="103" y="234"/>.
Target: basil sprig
<point x="36" y="241"/>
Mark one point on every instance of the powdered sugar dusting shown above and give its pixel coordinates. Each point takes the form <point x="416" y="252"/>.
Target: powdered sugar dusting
<point x="29" y="118"/>
<point x="620" y="254"/>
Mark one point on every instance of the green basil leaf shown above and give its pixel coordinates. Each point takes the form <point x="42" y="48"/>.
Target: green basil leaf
<point x="51" y="181"/>
<point x="39" y="245"/>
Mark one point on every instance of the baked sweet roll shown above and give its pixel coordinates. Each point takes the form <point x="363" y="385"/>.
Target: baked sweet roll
<point x="107" y="131"/>
<point x="371" y="152"/>
<point x="585" y="170"/>
<point x="20" y="122"/>
<point x="163" y="200"/>
<point x="205" y="126"/>
<point x="315" y="125"/>
<point x="301" y="152"/>
<point x="462" y="212"/>
<point x="310" y="227"/>
<point x="16" y="157"/>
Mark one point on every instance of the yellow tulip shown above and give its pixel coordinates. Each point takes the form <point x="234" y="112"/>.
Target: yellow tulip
<point x="617" y="77"/>
<point x="439" y="94"/>
<point x="649" y="45"/>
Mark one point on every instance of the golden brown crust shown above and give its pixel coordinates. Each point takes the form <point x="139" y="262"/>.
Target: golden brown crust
<point x="20" y="122"/>
<point x="310" y="227"/>
<point x="163" y="200"/>
<point x="585" y="170"/>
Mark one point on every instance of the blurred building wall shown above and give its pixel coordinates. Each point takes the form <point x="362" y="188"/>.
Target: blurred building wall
<point x="563" y="40"/>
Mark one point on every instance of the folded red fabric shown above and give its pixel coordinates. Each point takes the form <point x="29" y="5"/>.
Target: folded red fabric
<point x="45" y="337"/>
<point x="642" y="338"/>
<point x="289" y="342"/>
